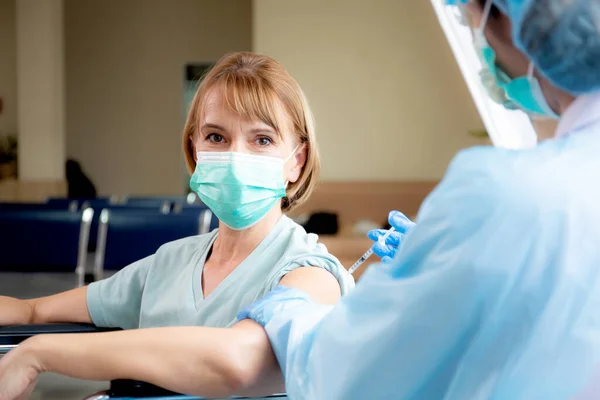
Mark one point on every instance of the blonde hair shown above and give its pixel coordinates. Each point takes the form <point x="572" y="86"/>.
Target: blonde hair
<point x="254" y="86"/>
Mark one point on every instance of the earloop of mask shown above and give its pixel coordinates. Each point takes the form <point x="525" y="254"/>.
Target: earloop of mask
<point x="293" y="153"/>
<point x="530" y="70"/>
<point x="486" y="14"/>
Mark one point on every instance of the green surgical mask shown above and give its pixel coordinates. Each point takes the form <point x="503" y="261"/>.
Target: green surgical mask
<point x="525" y="91"/>
<point x="239" y="188"/>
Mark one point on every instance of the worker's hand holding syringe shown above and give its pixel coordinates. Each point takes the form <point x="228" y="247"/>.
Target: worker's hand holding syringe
<point x="387" y="242"/>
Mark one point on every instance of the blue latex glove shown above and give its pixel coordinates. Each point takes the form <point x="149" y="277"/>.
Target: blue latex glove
<point x="388" y="250"/>
<point x="277" y="301"/>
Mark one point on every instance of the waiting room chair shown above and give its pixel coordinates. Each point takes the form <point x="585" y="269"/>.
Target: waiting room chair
<point x="69" y="206"/>
<point x="209" y="219"/>
<point x="61" y="202"/>
<point x="46" y="241"/>
<point x="98" y="207"/>
<point x="186" y="199"/>
<point x="164" y="204"/>
<point x="192" y="198"/>
<point x="98" y="203"/>
<point x="125" y="236"/>
<point x="128" y="390"/>
<point x="82" y="203"/>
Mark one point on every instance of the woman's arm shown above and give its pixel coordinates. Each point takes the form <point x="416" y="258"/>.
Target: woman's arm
<point x="318" y="283"/>
<point x="115" y="301"/>
<point x="192" y="360"/>
<point x="70" y="306"/>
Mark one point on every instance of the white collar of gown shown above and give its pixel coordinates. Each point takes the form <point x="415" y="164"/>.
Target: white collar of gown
<point x="583" y="112"/>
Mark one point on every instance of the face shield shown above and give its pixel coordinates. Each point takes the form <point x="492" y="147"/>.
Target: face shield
<point x="523" y="92"/>
<point x="489" y="76"/>
<point x="463" y="28"/>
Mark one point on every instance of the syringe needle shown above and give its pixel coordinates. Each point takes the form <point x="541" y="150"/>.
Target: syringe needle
<point x="368" y="253"/>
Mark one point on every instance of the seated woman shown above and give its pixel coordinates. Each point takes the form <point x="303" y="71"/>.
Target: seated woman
<point x="250" y="142"/>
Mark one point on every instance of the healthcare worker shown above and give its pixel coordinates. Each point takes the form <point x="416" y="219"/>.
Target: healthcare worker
<point x="495" y="292"/>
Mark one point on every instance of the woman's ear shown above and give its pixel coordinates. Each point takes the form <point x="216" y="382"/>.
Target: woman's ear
<point x="297" y="163"/>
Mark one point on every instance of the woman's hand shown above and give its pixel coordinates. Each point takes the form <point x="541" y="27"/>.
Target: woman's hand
<point x="19" y="370"/>
<point x="388" y="250"/>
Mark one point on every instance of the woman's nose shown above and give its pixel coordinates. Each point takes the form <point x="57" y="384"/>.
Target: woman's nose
<point x="238" y="146"/>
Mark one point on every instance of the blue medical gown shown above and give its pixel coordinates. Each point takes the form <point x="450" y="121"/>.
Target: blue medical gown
<point x="495" y="294"/>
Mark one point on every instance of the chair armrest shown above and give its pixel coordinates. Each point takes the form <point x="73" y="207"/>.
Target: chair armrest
<point x="12" y="336"/>
<point x="130" y="389"/>
<point x="134" y="389"/>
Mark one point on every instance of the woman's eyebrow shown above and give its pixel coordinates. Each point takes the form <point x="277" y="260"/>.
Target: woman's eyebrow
<point x="261" y="130"/>
<point x="213" y="126"/>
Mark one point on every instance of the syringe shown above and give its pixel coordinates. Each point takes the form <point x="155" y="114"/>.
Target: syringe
<point x="369" y="253"/>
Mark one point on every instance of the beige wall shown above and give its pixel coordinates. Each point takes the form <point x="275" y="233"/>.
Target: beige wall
<point x="124" y="62"/>
<point x="382" y="81"/>
<point x="8" y="66"/>
<point x="388" y="97"/>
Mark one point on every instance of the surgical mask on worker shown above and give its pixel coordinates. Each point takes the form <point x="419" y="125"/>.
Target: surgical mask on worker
<point x="525" y="91"/>
<point x="239" y="188"/>
<point x="494" y="91"/>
